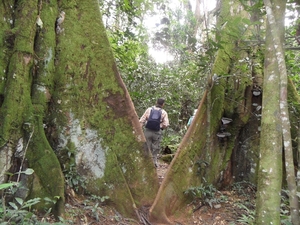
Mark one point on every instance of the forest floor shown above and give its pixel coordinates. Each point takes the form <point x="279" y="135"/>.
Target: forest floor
<point x="226" y="207"/>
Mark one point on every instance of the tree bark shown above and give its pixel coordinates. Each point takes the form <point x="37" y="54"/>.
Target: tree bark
<point x="275" y="15"/>
<point x="203" y="157"/>
<point x="270" y="163"/>
<point x="62" y="86"/>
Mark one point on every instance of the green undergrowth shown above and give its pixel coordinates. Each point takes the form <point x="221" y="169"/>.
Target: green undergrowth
<point x="241" y="196"/>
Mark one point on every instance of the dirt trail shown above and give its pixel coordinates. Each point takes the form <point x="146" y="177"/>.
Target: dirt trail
<point x="226" y="208"/>
<point x="83" y="211"/>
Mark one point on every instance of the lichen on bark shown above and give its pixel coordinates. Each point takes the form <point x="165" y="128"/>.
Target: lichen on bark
<point x="68" y="91"/>
<point x="202" y="157"/>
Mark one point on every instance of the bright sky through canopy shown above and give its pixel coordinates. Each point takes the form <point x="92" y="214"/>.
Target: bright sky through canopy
<point x="162" y="56"/>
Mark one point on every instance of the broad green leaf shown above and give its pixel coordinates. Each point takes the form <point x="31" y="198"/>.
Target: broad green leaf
<point x="19" y="200"/>
<point x="31" y="202"/>
<point x="28" y="171"/>
<point x="7" y="185"/>
<point x="12" y="204"/>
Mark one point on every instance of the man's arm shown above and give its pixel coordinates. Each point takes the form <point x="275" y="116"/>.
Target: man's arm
<point x="165" y="120"/>
<point x="144" y="117"/>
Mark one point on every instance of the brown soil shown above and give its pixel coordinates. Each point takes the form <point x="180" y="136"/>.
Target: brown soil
<point x="226" y="208"/>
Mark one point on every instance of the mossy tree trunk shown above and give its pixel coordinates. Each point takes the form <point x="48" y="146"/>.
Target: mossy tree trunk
<point x="270" y="164"/>
<point x="61" y="94"/>
<point x="213" y="152"/>
<point x="270" y="168"/>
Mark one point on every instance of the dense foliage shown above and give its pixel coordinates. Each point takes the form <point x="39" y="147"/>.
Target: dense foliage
<point x="180" y="81"/>
<point x="136" y="28"/>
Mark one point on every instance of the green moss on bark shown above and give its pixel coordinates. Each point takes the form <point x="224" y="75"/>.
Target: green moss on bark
<point x="89" y="93"/>
<point x="20" y="118"/>
<point x="47" y="168"/>
<point x="201" y="149"/>
<point x="6" y="45"/>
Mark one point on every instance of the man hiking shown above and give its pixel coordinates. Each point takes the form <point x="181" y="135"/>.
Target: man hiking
<point x="155" y="120"/>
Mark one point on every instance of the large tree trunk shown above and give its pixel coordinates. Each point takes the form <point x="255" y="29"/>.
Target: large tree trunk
<point x="268" y="200"/>
<point x="216" y="153"/>
<point x="270" y="164"/>
<point x="61" y="86"/>
<point x="212" y="151"/>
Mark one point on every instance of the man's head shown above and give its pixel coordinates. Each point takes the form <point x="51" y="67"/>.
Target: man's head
<point x="160" y="102"/>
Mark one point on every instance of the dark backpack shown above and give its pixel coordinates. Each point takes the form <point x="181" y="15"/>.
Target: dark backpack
<point x="153" y="122"/>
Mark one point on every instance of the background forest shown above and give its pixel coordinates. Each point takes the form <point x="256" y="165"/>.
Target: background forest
<point x="178" y="65"/>
<point x="167" y="49"/>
